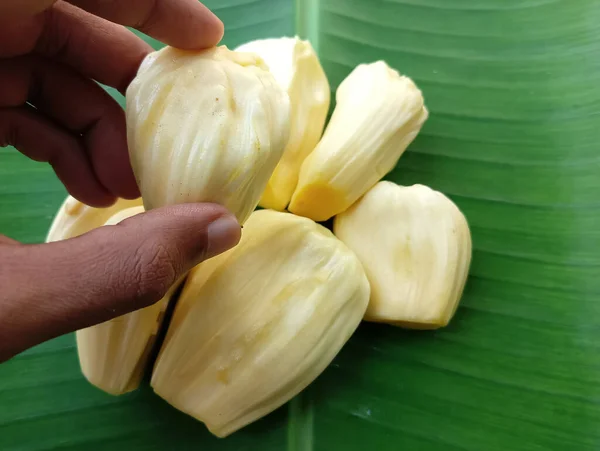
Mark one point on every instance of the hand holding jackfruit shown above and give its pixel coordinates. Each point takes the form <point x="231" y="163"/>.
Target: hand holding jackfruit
<point x="415" y="246"/>
<point x="75" y="218"/>
<point x="205" y="126"/>
<point x="113" y="355"/>
<point x="296" y="67"/>
<point x="378" y="114"/>
<point x="265" y="323"/>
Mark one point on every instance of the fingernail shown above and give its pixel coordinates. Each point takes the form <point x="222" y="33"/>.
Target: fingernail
<point x="223" y="234"/>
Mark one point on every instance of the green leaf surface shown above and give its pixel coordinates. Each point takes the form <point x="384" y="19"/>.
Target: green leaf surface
<point x="512" y="88"/>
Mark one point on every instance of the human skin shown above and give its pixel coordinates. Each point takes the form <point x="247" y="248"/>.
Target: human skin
<point x="51" y="110"/>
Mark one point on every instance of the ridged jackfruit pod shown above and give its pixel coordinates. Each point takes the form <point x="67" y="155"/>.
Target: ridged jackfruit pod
<point x="256" y="325"/>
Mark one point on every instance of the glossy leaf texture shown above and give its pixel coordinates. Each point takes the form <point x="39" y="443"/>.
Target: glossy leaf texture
<point x="512" y="138"/>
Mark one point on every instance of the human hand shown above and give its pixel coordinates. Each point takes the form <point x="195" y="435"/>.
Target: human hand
<point x="52" y="111"/>
<point x="50" y="107"/>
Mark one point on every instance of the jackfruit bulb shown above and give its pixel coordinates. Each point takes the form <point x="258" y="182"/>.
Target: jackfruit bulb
<point x="378" y="114"/>
<point x="75" y="218"/>
<point x="415" y="246"/>
<point x="296" y="67"/>
<point x="113" y="355"/>
<point x="256" y="329"/>
<point x="206" y="126"/>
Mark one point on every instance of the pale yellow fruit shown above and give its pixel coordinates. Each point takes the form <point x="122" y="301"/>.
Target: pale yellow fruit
<point x="113" y="355"/>
<point x="415" y="247"/>
<point x="74" y="218"/>
<point x="378" y="114"/>
<point x="260" y="325"/>
<point x="205" y="126"/>
<point x="296" y="67"/>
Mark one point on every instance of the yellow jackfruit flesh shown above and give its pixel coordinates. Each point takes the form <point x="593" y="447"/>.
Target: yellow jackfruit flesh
<point x="205" y="126"/>
<point x="378" y="114"/>
<point x="257" y="324"/>
<point x="415" y="246"/>
<point x="75" y="218"/>
<point x="113" y="355"/>
<point x="296" y="67"/>
<point x="256" y="328"/>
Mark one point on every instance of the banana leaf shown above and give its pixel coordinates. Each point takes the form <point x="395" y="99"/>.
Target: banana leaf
<point x="513" y="138"/>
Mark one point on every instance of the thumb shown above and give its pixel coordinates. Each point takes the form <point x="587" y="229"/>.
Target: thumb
<point x="55" y="288"/>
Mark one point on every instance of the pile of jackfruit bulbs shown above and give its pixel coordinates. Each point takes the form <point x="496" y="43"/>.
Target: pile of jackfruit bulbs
<point x="254" y="326"/>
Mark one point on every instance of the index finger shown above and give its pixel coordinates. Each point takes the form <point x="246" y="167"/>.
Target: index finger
<point x="186" y="24"/>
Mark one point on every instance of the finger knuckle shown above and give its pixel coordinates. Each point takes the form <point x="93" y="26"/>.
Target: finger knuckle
<point x="148" y="20"/>
<point x="153" y="271"/>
